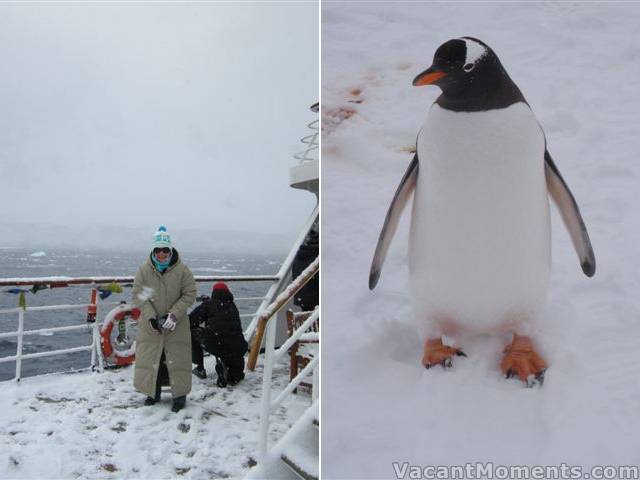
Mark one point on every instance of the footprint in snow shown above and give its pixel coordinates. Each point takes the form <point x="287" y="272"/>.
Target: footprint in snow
<point x="120" y="427"/>
<point x="355" y="95"/>
<point x="109" y="467"/>
<point x="332" y="118"/>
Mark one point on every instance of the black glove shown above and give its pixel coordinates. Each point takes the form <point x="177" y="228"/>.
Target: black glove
<point x="155" y="324"/>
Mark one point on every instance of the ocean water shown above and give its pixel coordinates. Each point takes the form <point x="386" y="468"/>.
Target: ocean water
<point x="17" y="262"/>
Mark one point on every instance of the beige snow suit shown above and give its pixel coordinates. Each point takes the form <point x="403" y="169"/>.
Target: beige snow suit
<point x="173" y="292"/>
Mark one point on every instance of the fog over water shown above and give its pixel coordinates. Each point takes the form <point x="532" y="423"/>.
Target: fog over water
<point x="135" y="115"/>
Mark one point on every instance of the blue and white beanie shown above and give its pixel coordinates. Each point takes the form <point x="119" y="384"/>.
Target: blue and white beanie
<point x="161" y="238"/>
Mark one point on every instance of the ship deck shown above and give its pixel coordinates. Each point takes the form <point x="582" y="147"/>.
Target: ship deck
<point x="94" y="425"/>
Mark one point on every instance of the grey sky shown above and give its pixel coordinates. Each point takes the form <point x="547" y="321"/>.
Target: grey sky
<point x="144" y="114"/>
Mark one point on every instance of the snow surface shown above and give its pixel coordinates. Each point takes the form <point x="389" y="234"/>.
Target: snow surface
<point x="90" y="426"/>
<point x="38" y="254"/>
<point x="578" y="66"/>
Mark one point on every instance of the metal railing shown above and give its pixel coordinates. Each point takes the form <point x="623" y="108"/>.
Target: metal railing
<point x="272" y="355"/>
<point x="94" y="347"/>
<point x="19" y="356"/>
<point x="311" y="152"/>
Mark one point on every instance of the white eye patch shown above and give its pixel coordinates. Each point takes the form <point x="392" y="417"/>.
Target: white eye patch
<point x="475" y="52"/>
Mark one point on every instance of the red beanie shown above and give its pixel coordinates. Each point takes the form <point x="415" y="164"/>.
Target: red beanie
<point x="220" y="286"/>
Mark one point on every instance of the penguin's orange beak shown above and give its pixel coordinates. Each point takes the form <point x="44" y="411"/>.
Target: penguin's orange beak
<point x="428" y="77"/>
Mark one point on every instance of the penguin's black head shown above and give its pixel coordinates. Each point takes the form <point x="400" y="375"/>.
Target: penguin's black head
<point x="467" y="69"/>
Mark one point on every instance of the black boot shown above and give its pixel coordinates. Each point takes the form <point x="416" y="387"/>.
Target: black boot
<point x="156" y="399"/>
<point x="222" y="372"/>
<point x="178" y="403"/>
<point x="235" y="377"/>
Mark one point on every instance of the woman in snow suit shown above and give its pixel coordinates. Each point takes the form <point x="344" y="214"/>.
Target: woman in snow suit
<point x="164" y="288"/>
<point x="216" y="326"/>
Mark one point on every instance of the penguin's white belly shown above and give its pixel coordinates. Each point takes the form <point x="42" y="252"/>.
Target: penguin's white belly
<point x="480" y="234"/>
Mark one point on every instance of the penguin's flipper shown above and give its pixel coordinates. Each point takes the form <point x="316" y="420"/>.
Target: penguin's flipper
<point x="570" y="213"/>
<point x="400" y="199"/>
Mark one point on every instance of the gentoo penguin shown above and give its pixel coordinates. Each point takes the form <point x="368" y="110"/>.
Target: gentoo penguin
<point x="479" y="247"/>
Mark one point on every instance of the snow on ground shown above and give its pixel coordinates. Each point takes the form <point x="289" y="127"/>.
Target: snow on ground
<point x="95" y="426"/>
<point x="578" y="66"/>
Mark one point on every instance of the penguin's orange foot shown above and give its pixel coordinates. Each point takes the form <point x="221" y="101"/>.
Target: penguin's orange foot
<point x="522" y="360"/>
<point x="435" y="352"/>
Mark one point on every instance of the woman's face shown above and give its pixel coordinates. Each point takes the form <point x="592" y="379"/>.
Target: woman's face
<point x="162" y="254"/>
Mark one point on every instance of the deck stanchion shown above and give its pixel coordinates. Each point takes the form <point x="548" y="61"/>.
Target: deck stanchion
<point x="266" y="390"/>
<point x="97" y="349"/>
<point x="92" y="311"/>
<point x="19" y="345"/>
<point x="315" y="383"/>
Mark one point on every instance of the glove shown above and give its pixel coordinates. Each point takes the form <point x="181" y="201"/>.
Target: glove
<point x="154" y="324"/>
<point x="170" y="322"/>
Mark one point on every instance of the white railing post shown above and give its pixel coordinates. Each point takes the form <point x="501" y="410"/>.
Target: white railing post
<point x="93" y="350"/>
<point x="92" y="314"/>
<point x="19" y="344"/>
<point x="315" y="382"/>
<point x="270" y="342"/>
<point x="97" y="349"/>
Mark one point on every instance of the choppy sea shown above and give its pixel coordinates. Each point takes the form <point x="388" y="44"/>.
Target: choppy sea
<point x="17" y="262"/>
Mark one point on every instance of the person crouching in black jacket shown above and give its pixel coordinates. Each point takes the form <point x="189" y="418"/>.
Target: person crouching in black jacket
<point x="215" y="326"/>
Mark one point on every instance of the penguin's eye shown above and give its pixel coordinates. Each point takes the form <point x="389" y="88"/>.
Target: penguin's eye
<point x="468" y="67"/>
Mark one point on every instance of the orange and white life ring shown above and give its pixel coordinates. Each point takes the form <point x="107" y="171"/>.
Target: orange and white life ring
<point x="114" y="356"/>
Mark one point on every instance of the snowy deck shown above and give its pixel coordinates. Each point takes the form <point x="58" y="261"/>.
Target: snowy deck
<point x="91" y="425"/>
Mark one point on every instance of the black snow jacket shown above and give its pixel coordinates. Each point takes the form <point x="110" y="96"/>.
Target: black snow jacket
<point x="307" y="297"/>
<point x="216" y="325"/>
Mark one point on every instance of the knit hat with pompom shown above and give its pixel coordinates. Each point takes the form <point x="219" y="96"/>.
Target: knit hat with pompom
<point x="161" y="238"/>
